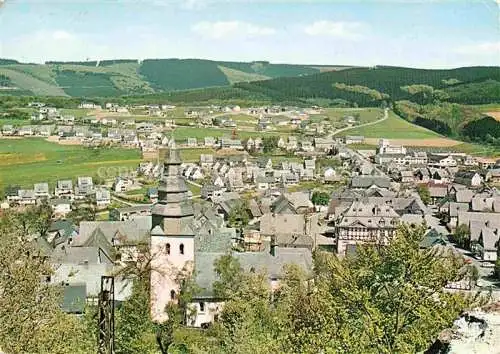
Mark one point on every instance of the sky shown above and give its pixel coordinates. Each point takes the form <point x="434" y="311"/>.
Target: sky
<point x="411" y="33"/>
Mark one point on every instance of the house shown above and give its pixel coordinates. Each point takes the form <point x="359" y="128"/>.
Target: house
<point x="60" y="207"/>
<point x="26" y="130"/>
<point x="440" y="161"/>
<point x="8" y="129"/>
<point x="45" y="130"/>
<point x="330" y="175"/>
<point x="265" y="182"/>
<point x="292" y="143"/>
<point x="235" y="144"/>
<point x="265" y="163"/>
<point x="290" y="178"/>
<point x="350" y="139"/>
<point x="493" y="176"/>
<point x="365" y="223"/>
<point x="235" y="179"/>
<point x="41" y="190"/>
<point x="114" y="134"/>
<point x="437" y="192"/>
<point x="122" y="184"/>
<point x="83" y="132"/>
<point x="468" y="178"/>
<point x="192" y="142"/>
<point x="310" y="164"/>
<point x="130" y="213"/>
<point x="206" y="161"/>
<point x="208" y="191"/>
<point x="385" y="147"/>
<point x="26" y="197"/>
<point x="209" y="141"/>
<point x="306" y="145"/>
<point x="89" y="105"/>
<point x="84" y="187"/>
<point x="102" y="197"/>
<point x="406" y="176"/>
<point x="488" y="243"/>
<point x="64" y="189"/>
<point x="453" y="209"/>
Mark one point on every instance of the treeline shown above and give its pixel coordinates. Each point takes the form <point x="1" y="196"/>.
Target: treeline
<point x="483" y="130"/>
<point x="451" y="119"/>
<point x="391" y="81"/>
<point x="177" y="74"/>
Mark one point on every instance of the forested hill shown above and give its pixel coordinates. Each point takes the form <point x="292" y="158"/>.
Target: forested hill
<point x="370" y="86"/>
<point x="110" y="78"/>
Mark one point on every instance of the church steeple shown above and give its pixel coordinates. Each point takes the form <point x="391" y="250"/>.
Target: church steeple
<point x="174" y="211"/>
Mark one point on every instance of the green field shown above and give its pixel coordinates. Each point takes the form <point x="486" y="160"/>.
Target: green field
<point x="393" y="127"/>
<point x="364" y="115"/>
<point x="28" y="161"/>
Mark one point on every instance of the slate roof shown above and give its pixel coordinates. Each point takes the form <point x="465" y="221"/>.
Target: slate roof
<point x="258" y="261"/>
<point x="489" y="238"/>
<point x="456" y="207"/>
<point x="271" y="224"/>
<point x="368" y="181"/>
<point x="464" y="196"/>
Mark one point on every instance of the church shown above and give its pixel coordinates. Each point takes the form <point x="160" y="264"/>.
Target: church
<point x="180" y="246"/>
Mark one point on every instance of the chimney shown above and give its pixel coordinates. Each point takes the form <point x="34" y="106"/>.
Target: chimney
<point x="272" y="248"/>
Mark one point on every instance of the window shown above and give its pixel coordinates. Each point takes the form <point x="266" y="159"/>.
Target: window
<point x="202" y="307"/>
<point x="167" y="248"/>
<point x="181" y="248"/>
<point x="172" y="294"/>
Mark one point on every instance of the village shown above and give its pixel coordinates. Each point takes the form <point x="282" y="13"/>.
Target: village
<point x="269" y="209"/>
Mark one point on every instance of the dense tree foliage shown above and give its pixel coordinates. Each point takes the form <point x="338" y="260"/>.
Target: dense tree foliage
<point x="383" y="300"/>
<point x="30" y="314"/>
<point x="176" y="74"/>
<point x="423" y="192"/>
<point x="461" y="236"/>
<point x="320" y="198"/>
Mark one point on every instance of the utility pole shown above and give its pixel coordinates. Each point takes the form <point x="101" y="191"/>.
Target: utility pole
<point x="106" y="338"/>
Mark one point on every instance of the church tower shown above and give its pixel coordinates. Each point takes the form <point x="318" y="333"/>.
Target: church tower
<point x="172" y="238"/>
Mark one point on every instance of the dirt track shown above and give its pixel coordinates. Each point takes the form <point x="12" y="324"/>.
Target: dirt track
<point x="438" y="142"/>
<point x="494" y="114"/>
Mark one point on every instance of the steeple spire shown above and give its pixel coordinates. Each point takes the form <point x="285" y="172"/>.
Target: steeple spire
<point x="174" y="211"/>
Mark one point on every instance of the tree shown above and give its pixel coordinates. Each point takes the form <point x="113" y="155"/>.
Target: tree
<point x="238" y="216"/>
<point x="461" y="236"/>
<point x="270" y="143"/>
<point x="425" y="195"/>
<point x="320" y="198"/>
<point x="382" y="300"/>
<point x="30" y="314"/>
<point x="84" y="212"/>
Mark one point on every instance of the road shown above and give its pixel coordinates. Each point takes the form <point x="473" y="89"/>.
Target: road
<point x="386" y="115"/>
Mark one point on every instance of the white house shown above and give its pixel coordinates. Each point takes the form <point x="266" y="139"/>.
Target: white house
<point x="60" y="207"/>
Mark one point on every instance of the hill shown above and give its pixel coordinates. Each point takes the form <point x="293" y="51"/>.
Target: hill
<point x="371" y="86"/>
<point x="110" y="78"/>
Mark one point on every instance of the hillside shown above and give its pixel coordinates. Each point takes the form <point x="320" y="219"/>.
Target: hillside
<point x="119" y="77"/>
<point x="370" y="86"/>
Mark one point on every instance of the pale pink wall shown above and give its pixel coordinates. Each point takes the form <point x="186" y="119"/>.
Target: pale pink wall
<point x="165" y="270"/>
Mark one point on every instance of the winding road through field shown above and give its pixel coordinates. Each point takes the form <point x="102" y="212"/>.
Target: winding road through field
<point x="386" y="115"/>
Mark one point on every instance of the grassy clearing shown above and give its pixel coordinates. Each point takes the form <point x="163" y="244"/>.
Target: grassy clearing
<point x="365" y="115"/>
<point x="27" y="82"/>
<point x="28" y="161"/>
<point x="234" y="75"/>
<point x="393" y="127"/>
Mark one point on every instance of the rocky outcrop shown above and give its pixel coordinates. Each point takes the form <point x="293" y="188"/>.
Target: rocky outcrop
<point x="474" y="332"/>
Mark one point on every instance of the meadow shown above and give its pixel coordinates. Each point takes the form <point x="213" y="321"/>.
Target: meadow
<point x="393" y="127"/>
<point x="28" y="161"/>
